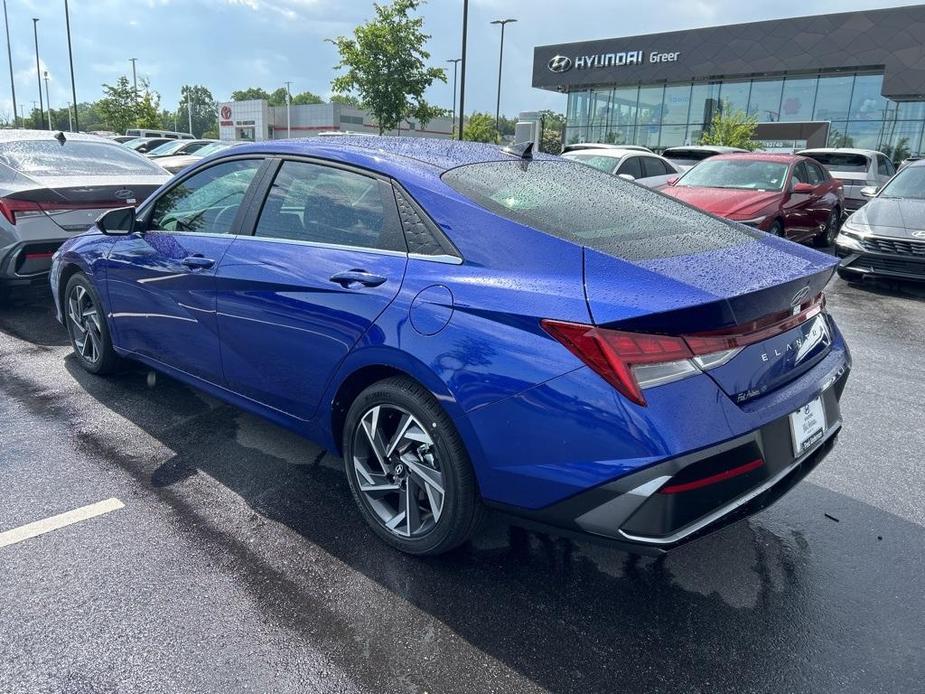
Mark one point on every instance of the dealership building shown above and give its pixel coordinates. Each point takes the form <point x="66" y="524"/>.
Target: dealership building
<point x="854" y="79"/>
<point x="256" y="120"/>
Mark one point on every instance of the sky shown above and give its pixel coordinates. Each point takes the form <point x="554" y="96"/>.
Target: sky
<point x="234" y="44"/>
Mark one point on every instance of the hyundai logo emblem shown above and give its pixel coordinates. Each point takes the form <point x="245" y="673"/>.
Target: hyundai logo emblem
<point x="800" y="297"/>
<point x="124" y="194"/>
<point x="919" y="234"/>
<point x="559" y="63"/>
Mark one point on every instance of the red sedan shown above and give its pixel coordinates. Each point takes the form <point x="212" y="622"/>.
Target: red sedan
<point x="781" y="194"/>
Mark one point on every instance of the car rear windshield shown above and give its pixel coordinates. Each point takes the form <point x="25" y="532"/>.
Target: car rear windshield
<point x="688" y="154"/>
<point x="588" y="207"/>
<point x="738" y="174"/>
<point x="841" y="161"/>
<point x="74" y="158"/>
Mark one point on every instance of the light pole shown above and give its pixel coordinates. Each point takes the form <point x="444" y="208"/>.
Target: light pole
<point x="462" y="83"/>
<point x="75" y="126"/>
<point x="134" y="78"/>
<point x="47" y="100"/>
<point x="455" y="62"/>
<point x="38" y="72"/>
<point x="288" y="102"/>
<point x="502" y="22"/>
<point x="189" y="108"/>
<point x="9" y="55"/>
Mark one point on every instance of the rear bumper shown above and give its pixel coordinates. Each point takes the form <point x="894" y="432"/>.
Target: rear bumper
<point x="637" y="514"/>
<point x="28" y="262"/>
<point x="880" y="265"/>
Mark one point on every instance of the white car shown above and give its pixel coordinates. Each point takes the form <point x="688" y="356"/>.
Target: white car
<point x="575" y="146"/>
<point x="642" y="167"/>
<point x="856" y="169"/>
<point x="688" y="156"/>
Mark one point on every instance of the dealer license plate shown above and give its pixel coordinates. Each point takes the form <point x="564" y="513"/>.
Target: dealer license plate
<point x="807" y="426"/>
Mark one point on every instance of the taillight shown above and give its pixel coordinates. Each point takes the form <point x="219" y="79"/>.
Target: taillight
<point x="627" y="361"/>
<point x="10" y="206"/>
<point x="631" y="362"/>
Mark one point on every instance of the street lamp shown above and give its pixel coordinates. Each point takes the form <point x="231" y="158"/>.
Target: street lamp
<point x="134" y="77"/>
<point x="47" y="99"/>
<point x="288" y="102"/>
<point x="462" y="83"/>
<point x="38" y="72"/>
<point x="9" y="55"/>
<point x="502" y="22"/>
<point x="455" y="62"/>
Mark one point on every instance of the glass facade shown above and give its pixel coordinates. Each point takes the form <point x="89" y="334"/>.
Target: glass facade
<point x="660" y="116"/>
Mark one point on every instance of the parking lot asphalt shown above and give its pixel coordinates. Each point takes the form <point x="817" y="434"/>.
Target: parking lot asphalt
<point x="238" y="561"/>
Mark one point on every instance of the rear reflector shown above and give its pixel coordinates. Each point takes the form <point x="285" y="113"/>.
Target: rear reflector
<point x="712" y="479"/>
<point x="633" y="361"/>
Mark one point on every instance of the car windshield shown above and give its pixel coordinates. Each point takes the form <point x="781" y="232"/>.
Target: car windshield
<point x="168" y="148"/>
<point x="599" y="162"/>
<point x="841" y="161"/>
<point x="908" y="183"/>
<point x="212" y="148"/>
<point x="74" y="158"/>
<point x="740" y="174"/>
<point x="588" y="207"/>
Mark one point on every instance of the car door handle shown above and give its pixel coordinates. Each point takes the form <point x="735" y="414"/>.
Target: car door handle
<point x="353" y="278"/>
<point x="197" y="262"/>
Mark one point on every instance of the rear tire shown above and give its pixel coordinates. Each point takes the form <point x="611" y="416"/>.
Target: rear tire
<point x="418" y="462"/>
<point x="827" y="237"/>
<point x="86" y="324"/>
<point x="777" y="229"/>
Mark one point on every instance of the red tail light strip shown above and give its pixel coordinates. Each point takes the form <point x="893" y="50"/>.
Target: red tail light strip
<point x="612" y="354"/>
<point x="10" y="206"/>
<point x="712" y="479"/>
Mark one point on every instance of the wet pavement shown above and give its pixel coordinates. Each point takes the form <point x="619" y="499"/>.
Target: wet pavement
<point x="239" y="562"/>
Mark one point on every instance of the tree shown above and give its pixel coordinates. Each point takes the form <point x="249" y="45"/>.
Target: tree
<point x="147" y="107"/>
<point x="249" y="94"/>
<point x="204" y="109"/>
<point x="346" y="100"/>
<point x="731" y="128"/>
<point x="384" y="65"/>
<point x="480" y="127"/>
<point x="553" y="128"/>
<point x="117" y="108"/>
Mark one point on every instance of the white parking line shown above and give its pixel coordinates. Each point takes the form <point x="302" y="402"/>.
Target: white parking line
<point x="24" y="532"/>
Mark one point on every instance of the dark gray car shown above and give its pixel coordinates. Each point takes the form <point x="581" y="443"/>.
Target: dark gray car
<point x="886" y="237"/>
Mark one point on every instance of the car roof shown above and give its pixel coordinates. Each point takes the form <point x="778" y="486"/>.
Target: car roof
<point x="703" y="148"/>
<point x="389" y="153"/>
<point x="612" y="152"/>
<point x="11" y="135"/>
<point x="840" y="150"/>
<point x="578" y="146"/>
<point x="761" y="156"/>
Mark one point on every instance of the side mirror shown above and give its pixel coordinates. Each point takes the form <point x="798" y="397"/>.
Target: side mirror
<point x="117" y="222"/>
<point x="804" y="188"/>
<point x="869" y="191"/>
<point x="627" y="177"/>
<point x="672" y="180"/>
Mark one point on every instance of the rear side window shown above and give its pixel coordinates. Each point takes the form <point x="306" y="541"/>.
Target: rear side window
<point x="653" y="167"/>
<point x="75" y="158"/>
<point x="590" y="208"/>
<point x="884" y="166"/>
<point x="321" y="204"/>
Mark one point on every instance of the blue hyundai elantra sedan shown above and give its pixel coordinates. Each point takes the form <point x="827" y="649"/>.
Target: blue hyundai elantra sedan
<point x="472" y="327"/>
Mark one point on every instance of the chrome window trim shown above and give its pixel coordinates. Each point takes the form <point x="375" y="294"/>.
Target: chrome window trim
<point x="446" y="259"/>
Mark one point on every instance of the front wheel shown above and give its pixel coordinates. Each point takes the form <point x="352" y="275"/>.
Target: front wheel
<point x="87" y="327"/>
<point x="408" y="469"/>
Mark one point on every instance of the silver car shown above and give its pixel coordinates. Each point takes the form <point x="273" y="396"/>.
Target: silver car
<point x="645" y="168"/>
<point x="855" y="168"/>
<point x="54" y="186"/>
<point x="886" y="237"/>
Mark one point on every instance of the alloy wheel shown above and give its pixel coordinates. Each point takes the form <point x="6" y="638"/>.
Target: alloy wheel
<point x="86" y="329"/>
<point x="397" y="471"/>
<point x="831" y="228"/>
